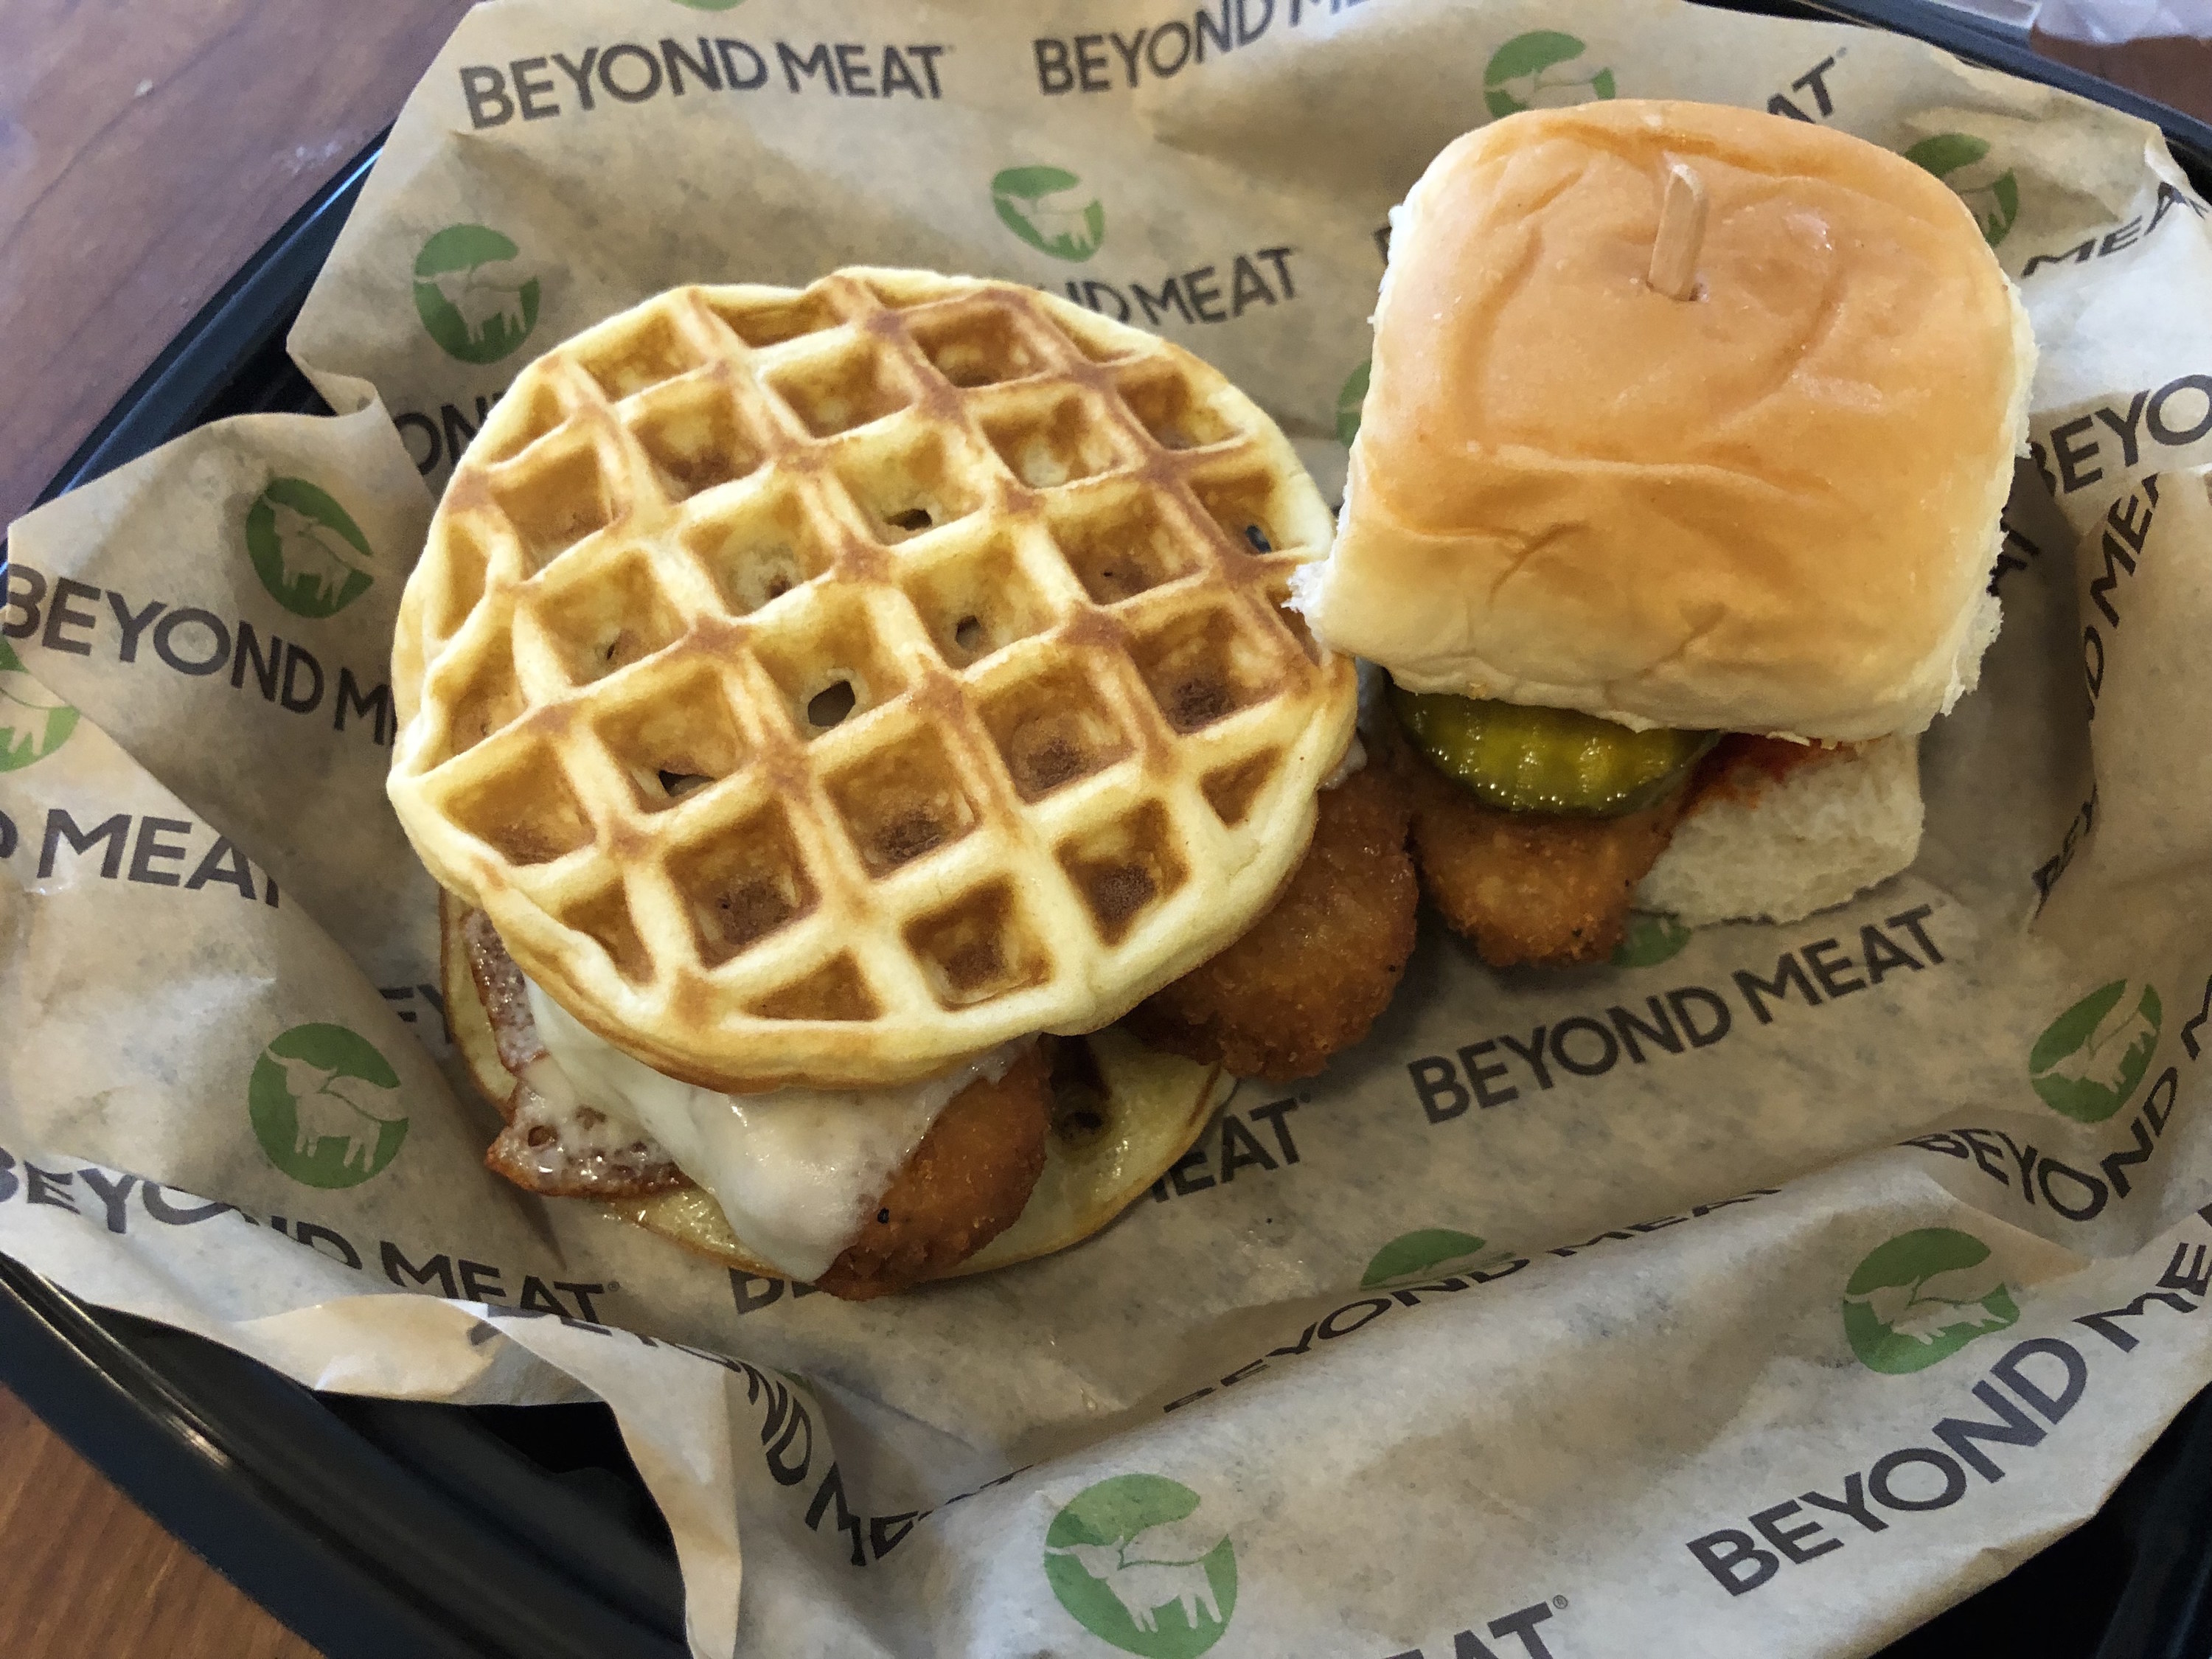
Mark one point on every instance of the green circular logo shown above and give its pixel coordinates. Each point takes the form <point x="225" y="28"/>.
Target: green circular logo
<point x="1537" y="71"/>
<point x="1131" y="1568"/>
<point x="1649" y="941"/>
<point x="1961" y="161"/>
<point x="2089" y="1059"/>
<point x="34" y="722"/>
<point x="1349" y="401"/>
<point x="1418" y="1255"/>
<point x="308" y="552"/>
<point x="477" y="304"/>
<point x="1922" y="1297"/>
<point x="1039" y="205"/>
<point x="325" y="1106"/>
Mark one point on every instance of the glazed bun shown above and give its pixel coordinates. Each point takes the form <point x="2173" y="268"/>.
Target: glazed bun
<point x="1771" y="507"/>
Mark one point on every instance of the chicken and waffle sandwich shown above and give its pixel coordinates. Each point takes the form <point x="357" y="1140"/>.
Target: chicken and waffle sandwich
<point x="827" y="713"/>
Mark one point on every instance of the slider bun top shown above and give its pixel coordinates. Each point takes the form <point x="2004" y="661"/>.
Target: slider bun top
<point x="1770" y="508"/>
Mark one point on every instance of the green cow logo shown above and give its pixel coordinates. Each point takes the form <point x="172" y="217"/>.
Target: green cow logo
<point x="325" y="1106"/>
<point x="1537" y="71"/>
<point x="34" y="722"/>
<point x="1350" y="401"/>
<point x="308" y="552"/>
<point x="1922" y="1297"/>
<point x="1038" y="204"/>
<point x="1961" y="161"/>
<point x="2089" y="1059"/>
<point x="1128" y="1566"/>
<point x="475" y="302"/>
<point x="1426" y="1254"/>
<point x="1649" y="941"/>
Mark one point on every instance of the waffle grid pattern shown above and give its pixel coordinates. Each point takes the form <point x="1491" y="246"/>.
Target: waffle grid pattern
<point x="828" y="684"/>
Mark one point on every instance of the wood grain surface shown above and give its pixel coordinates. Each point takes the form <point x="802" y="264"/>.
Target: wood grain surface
<point x="146" y="151"/>
<point x="147" y="148"/>
<point x="84" y="1574"/>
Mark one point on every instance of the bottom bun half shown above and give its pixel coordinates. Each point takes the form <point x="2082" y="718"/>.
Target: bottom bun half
<point x="1110" y="1137"/>
<point x="1152" y="1111"/>
<point x="1779" y="849"/>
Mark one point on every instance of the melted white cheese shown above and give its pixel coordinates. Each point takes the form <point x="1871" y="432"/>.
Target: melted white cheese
<point x="583" y="1143"/>
<point x="545" y="1078"/>
<point x="797" y="1171"/>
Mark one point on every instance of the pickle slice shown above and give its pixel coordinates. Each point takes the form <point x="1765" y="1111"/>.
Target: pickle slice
<point x="1523" y="759"/>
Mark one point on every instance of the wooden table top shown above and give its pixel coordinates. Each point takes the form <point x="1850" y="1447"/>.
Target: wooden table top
<point x="146" y="151"/>
<point x="89" y="1574"/>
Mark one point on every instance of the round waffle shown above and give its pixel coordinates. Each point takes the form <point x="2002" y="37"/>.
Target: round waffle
<point x="830" y="685"/>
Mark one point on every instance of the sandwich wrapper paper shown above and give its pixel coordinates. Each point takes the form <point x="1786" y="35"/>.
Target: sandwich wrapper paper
<point x="1761" y="1293"/>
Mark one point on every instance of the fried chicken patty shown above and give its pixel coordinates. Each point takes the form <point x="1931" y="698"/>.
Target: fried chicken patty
<point x="1554" y="889"/>
<point x="964" y="1185"/>
<point x="960" y="1188"/>
<point x="1313" y="972"/>
<point x="1531" y="886"/>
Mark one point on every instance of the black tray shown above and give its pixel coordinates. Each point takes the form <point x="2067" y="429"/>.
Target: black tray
<point x="381" y="1528"/>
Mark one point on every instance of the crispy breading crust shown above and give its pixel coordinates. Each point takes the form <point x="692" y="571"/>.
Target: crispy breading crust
<point x="1530" y="887"/>
<point x="964" y="1185"/>
<point x="1315" y="970"/>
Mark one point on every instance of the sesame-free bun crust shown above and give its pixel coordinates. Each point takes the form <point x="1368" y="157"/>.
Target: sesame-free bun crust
<point x="1769" y="508"/>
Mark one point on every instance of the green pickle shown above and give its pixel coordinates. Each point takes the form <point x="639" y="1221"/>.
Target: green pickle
<point x="1523" y="759"/>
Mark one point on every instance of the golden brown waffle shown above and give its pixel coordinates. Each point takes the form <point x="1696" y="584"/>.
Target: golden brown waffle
<point x="831" y="685"/>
